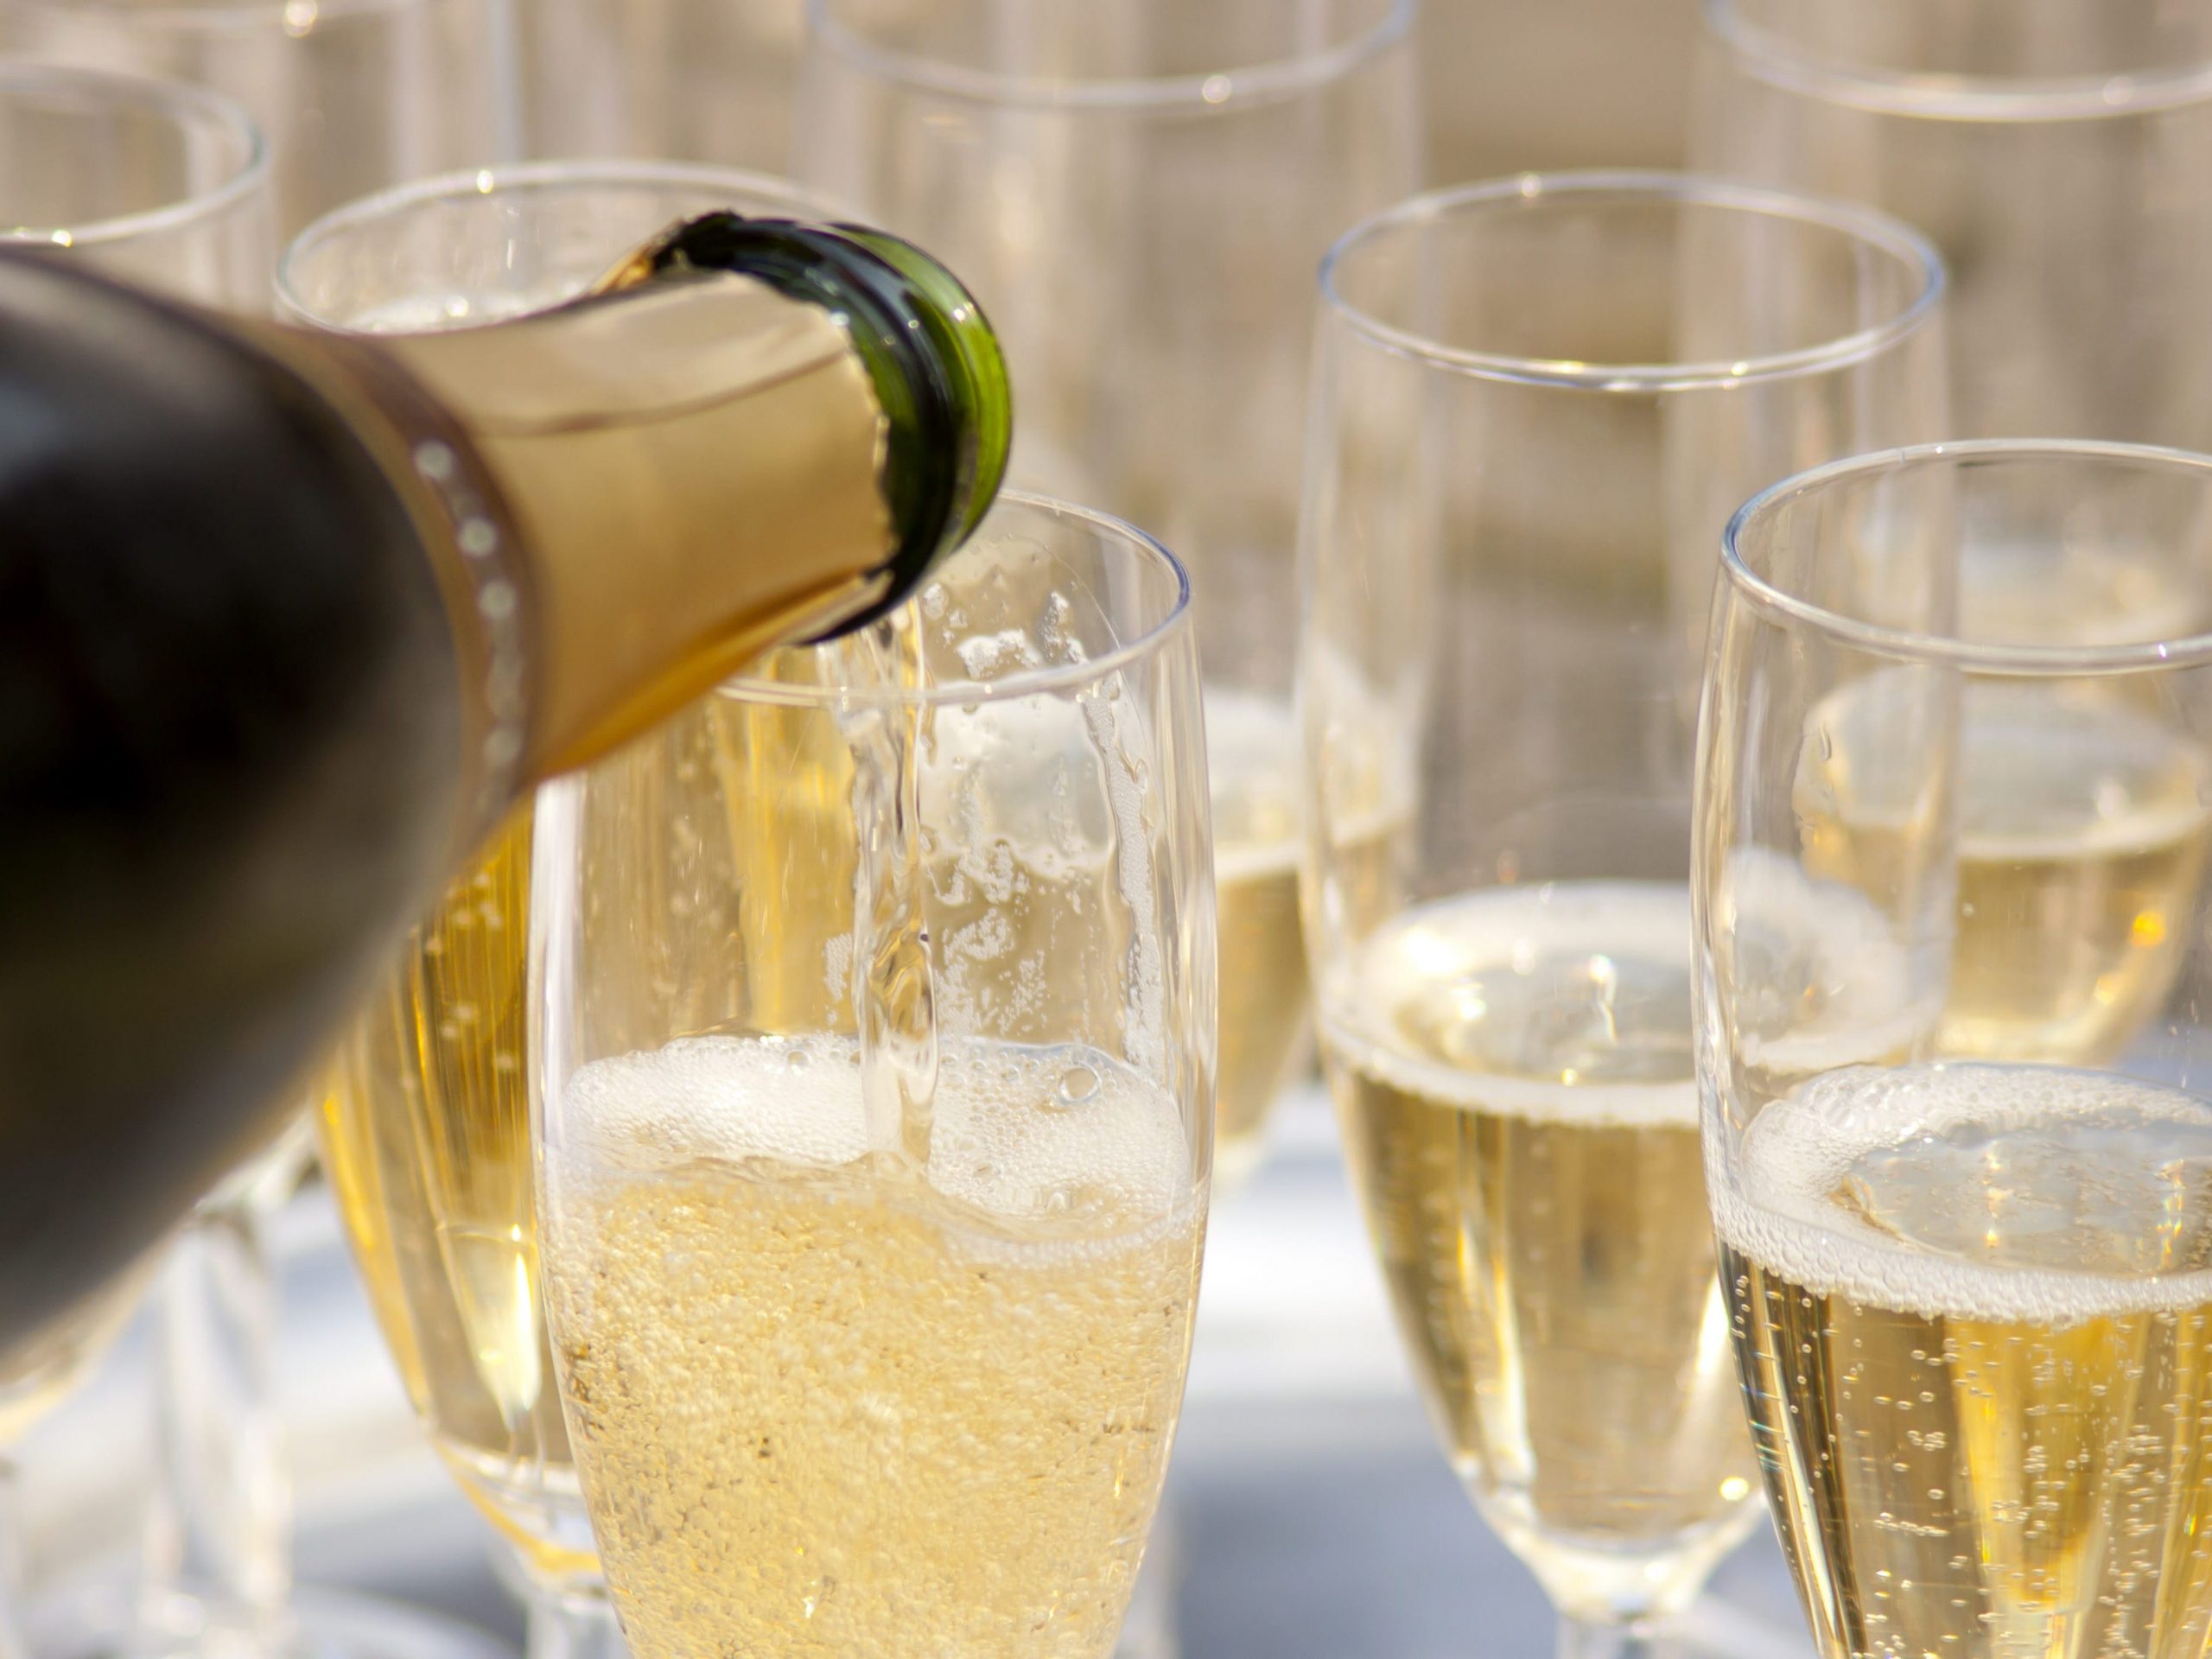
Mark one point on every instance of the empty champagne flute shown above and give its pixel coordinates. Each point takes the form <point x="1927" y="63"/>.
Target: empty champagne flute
<point x="2059" y="153"/>
<point x="1536" y="401"/>
<point x="351" y="95"/>
<point x="424" y="1129"/>
<point x="877" y="1049"/>
<point x="1956" y="1156"/>
<point x="1138" y="194"/>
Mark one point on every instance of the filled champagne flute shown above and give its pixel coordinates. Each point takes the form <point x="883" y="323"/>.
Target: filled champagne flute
<point x="1957" y="1165"/>
<point x="1533" y="401"/>
<point x="351" y="95"/>
<point x="875" y="1036"/>
<point x="1139" y="193"/>
<point x="2058" y="152"/>
<point x="424" y="1122"/>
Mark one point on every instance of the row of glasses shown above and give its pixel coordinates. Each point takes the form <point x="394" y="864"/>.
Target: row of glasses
<point x="1536" y="403"/>
<point x="1945" y="847"/>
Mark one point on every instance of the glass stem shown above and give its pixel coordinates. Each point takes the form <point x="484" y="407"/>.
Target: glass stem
<point x="570" y="1623"/>
<point x="1604" y="1639"/>
<point x="219" y="1521"/>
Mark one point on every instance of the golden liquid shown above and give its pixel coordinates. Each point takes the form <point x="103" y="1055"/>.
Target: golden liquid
<point x="1253" y="755"/>
<point x="1972" y="1305"/>
<point x="823" y="1408"/>
<point x="425" y="1135"/>
<point x="1514" y="1070"/>
<point x="2081" y="831"/>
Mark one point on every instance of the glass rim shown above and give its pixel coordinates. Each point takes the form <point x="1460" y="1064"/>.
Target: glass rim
<point x="516" y="178"/>
<point x="1222" y="89"/>
<point x="1930" y="95"/>
<point x="184" y="107"/>
<point x="1149" y="552"/>
<point x="1864" y="225"/>
<point x="294" y="18"/>
<point x="1778" y="604"/>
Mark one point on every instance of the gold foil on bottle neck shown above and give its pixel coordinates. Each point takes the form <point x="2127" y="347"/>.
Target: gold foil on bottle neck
<point x="692" y="466"/>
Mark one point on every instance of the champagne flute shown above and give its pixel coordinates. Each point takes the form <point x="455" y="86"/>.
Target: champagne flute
<point x="2058" y="152"/>
<point x="1535" y="401"/>
<point x="351" y="95"/>
<point x="424" y="1127"/>
<point x="1138" y="194"/>
<point x="1955" y="1158"/>
<point x="876" y="1048"/>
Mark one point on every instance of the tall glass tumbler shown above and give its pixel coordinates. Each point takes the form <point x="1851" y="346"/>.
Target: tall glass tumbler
<point x="1139" y="193"/>
<point x="2058" y="152"/>
<point x="351" y="95"/>
<point x="841" y="1380"/>
<point x="1535" y="402"/>
<point x="1957" y="1156"/>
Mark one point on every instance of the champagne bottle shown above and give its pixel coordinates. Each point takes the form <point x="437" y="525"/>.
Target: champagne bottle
<point x="290" y="619"/>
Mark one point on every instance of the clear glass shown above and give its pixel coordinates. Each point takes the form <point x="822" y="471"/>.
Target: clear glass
<point x="351" y="95"/>
<point x="1951" y="953"/>
<point x="425" y="1125"/>
<point x="701" y="80"/>
<point x="1535" y="403"/>
<point x="160" y="184"/>
<point x="2059" y="152"/>
<point x="837" y="1384"/>
<point x="1139" y="193"/>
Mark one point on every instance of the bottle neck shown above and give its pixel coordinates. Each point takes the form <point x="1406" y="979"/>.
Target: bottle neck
<point x="939" y="377"/>
<point x="750" y="434"/>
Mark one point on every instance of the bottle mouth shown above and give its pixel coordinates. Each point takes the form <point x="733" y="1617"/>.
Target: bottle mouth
<point x="930" y="352"/>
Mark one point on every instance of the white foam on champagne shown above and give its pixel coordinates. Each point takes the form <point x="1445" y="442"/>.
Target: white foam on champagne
<point x="1779" y="1201"/>
<point x="1024" y="1135"/>
<point x="1503" y="931"/>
